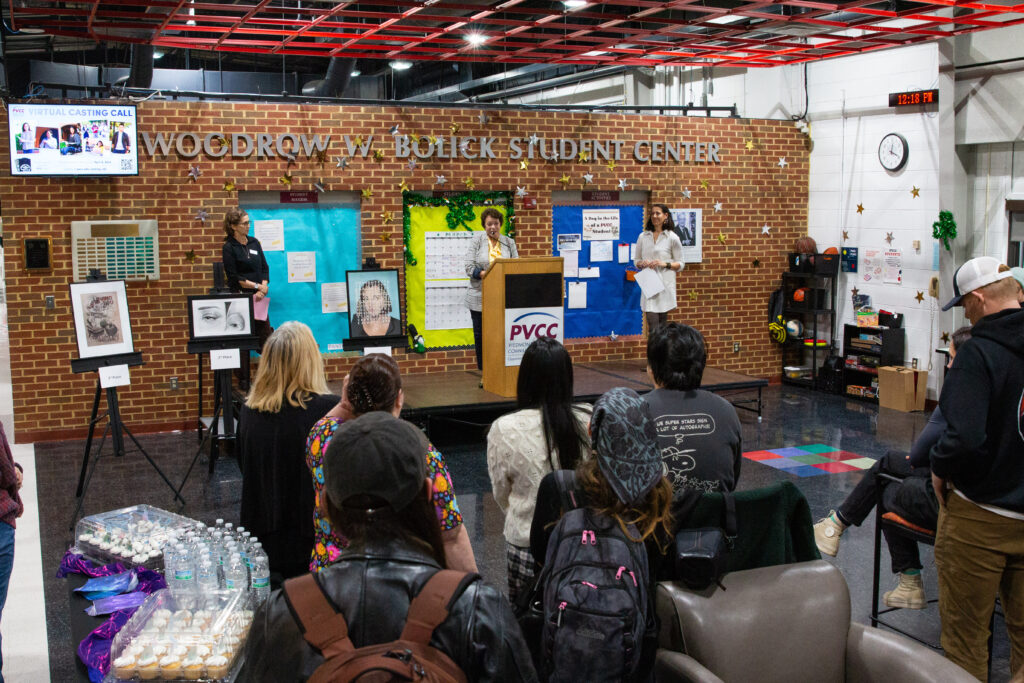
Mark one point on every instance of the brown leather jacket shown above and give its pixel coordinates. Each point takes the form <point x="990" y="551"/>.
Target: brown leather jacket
<point x="372" y="587"/>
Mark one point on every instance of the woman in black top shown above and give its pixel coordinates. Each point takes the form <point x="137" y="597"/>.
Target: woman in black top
<point x="289" y="395"/>
<point x="245" y="266"/>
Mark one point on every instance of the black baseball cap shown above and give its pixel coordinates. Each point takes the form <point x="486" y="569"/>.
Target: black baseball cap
<point x="376" y="455"/>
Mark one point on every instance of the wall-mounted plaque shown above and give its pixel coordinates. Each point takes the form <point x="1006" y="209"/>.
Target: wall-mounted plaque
<point x="38" y="253"/>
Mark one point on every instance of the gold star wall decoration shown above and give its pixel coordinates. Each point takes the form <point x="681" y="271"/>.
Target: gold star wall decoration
<point x="524" y="164"/>
<point x="367" y="193"/>
<point x="916" y="191"/>
<point x="855" y="291"/>
<point x="321" y="157"/>
<point x="705" y="184"/>
<point x="403" y="186"/>
<point x="190" y="255"/>
<point x="386" y="237"/>
<point x="286" y="179"/>
<point x="469" y="183"/>
<point x="860" y="208"/>
<point x="611" y="164"/>
<point x="455" y="128"/>
<point x="889" y="238"/>
<point x="749" y="144"/>
<point x="378" y="155"/>
<point x="386" y="216"/>
<point x="229" y="186"/>
<point x="432" y="139"/>
<point x="721" y="237"/>
<point x="920" y="297"/>
<point x="846" y="235"/>
<point x="564" y="179"/>
<point x="414" y="137"/>
<point x="693" y="295"/>
<point x="945" y="337"/>
<point x="359" y="141"/>
<point x="584" y="155"/>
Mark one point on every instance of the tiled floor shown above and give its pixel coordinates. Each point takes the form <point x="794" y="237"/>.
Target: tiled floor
<point x="797" y="423"/>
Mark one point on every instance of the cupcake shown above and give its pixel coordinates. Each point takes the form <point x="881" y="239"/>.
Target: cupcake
<point x="217" y="666"/>
<point x="147" y="665"/>
<point x="170" y="667"/>
<point x="162" y="613"/>
<point x="124" y="666"/>
<point x="178" y="650"/>
<point x="192" y="666"/>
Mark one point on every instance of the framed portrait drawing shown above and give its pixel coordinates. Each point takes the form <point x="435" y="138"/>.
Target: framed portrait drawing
<point x="689" y="227"/>
<point x="102" y="327"/>
<point x="213" y="317"/>
<point x="374" y="306"/>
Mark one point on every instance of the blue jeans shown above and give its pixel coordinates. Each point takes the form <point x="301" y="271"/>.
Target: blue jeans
<point x="6" y="565"/>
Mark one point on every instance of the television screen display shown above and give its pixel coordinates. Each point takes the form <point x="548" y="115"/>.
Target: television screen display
<point x="73" y="139"/>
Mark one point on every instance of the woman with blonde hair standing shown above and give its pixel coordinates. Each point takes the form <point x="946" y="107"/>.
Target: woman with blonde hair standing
<point x="288" y="396"/>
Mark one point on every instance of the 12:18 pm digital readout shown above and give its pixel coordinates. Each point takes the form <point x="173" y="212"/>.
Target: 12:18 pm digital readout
<point x="916" y="97"/>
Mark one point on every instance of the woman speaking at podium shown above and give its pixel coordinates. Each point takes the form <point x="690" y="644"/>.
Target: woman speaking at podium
<point x="486" y="246"/>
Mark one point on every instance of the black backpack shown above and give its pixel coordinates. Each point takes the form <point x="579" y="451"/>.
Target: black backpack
<point x="597" y="607"/>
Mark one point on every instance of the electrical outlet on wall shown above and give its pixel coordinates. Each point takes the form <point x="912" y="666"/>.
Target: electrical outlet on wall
<point x="735" y="347"/>
<point x="174" y="384"/>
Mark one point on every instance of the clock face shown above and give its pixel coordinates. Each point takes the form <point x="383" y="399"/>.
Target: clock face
<point x="893" y="152"/>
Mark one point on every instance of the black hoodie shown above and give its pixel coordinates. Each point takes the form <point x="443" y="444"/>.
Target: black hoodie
<point x="982" y="449"/>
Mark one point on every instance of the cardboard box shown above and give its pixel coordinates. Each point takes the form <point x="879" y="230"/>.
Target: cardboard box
<point x="901" y="388"/>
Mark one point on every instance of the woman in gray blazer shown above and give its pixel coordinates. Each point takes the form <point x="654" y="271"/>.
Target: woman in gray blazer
<point x="485" y="247"/>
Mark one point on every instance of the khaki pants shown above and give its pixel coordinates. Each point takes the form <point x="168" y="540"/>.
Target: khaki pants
<point x="979" y="555"/>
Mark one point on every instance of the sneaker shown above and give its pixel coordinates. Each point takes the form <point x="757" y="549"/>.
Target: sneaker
<point x="909" y="593"/>
<point x="826" y="535"/>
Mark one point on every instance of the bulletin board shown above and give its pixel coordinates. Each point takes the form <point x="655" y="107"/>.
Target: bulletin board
<point x="436" y="233"/>
<point x="612" y="302"/>
<point x="331" y="234"/>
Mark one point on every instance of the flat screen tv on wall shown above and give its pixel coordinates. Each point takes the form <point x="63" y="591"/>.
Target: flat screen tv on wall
<point x="73" y="139"/>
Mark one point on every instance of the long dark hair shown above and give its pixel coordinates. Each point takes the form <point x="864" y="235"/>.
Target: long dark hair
<point x="668" y="226"/>
<point x="545" y="383"/>
<point x="373" y="384"/>
<point x="364" y="518"/>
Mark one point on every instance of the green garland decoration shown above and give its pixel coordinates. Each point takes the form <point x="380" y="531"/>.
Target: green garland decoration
<point x="945" y="228"/>
<point x="460" y="212"/>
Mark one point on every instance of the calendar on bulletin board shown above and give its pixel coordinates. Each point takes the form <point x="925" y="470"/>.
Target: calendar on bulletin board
<point x="596" y="244"/>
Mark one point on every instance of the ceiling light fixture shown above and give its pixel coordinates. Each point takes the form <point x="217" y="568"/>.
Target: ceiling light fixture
<point x="157" y="54"/>
<point x="574" y="4"/>
<point x="726" y="19"/>
<point x="476" y="38"/>
<point x="356" y="72"/>
<point x="400" y="64"/>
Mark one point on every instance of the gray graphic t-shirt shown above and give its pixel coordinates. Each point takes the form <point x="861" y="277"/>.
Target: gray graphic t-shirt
<point x="700" y="439"/>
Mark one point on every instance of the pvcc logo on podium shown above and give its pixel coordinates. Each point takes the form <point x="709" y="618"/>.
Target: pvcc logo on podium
<point x="524" y="325"/>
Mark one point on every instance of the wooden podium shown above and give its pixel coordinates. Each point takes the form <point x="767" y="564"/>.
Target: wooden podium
<point x="514" y="283"/>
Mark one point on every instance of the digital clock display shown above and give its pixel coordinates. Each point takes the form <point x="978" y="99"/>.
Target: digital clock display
<point x="909" y="99"/>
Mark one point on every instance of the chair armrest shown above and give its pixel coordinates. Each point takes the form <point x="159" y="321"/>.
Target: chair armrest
<point x="876" y="655"/>
<point x="675" y="667"/>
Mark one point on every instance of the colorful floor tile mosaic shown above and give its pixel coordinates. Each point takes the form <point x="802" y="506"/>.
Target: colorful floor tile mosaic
<point x="811" y="461"/>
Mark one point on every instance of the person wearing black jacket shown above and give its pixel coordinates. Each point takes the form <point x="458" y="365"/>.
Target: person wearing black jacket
<point x="978" y="471"/>
<point x="377" y="493"/>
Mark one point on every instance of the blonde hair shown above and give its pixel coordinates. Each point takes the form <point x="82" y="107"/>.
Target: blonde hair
<point x="652" y="515"/>
<point x="291" y="369"/>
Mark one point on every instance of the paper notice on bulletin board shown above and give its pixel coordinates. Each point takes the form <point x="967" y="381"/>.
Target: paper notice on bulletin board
<point x="893" y="270"/>
<point x="270" y="233"/>
<point x="601" y="224"/>
<point x="872" y="262"/>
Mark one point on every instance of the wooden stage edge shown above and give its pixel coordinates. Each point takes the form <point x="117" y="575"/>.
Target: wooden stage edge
<point x="457" y="395"/>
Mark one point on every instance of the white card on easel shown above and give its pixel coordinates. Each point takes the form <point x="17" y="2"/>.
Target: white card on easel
<point x="114" y="376"/>
<point x="225" y="359"/>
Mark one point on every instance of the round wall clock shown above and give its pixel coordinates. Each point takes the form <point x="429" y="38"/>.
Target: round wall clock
<point x="893" y="152"/>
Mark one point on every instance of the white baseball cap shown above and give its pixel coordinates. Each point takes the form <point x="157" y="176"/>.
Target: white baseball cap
<point x="974" y="274"/>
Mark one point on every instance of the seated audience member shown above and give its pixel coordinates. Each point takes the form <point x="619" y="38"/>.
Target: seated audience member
<point x="623" y="480"/>
<point x="913" y="499"/>
<point x="288" y="396"/>
<point x="698" y="432"/>
<point x="373" y="384"/>
<point x="547" y="433"/>
<point x="377" y="492"/>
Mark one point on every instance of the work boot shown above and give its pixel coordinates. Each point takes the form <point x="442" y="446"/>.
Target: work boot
<point x="827" y="533"/>
<point x="909" y="594"/>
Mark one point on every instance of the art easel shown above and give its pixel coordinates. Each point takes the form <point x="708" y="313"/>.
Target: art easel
<point x="115" y="426"/>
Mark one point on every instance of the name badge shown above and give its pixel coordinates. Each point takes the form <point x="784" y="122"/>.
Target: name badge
<point x="254" y="252"/>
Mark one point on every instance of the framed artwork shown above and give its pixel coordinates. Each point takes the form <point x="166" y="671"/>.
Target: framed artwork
<point x="102" y="327"/>
<point x="220" y="316"/>
<point x="374" y="308"/>
<point x="37" y="253"/>
<point x="690" y="228"/>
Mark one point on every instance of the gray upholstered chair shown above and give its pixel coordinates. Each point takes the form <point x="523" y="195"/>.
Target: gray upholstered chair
<point x="787" y="623"/>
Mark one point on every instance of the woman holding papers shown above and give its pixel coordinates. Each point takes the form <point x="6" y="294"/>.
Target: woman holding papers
<point x="658" y="248"/>
<point x="245" y="266"/>
<point x="485" y="246"/>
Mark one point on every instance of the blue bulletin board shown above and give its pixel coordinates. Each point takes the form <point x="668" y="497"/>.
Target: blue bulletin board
<point x="331" y="231"/>
<point x="613" y="303"/>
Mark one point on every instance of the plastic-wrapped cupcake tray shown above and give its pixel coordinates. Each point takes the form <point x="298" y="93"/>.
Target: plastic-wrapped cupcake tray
<point x="134" y="536"/>
<point x="196" y="637"/>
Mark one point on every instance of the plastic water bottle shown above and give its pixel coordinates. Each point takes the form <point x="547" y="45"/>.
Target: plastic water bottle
<point x="182" y="571"/>
<point x="260" y="574"/>
<point x="234" y="574"/>
<point x="206" y="577"/>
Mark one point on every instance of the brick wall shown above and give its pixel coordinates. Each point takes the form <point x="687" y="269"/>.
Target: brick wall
<point x="731" y="294"/>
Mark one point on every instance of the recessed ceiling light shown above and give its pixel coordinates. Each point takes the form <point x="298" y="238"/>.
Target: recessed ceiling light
<point x="399" y="64"/>
<point x="726" y="19"/>
<point x="594" y="53"/>
<point x="476" y="38"/>
<point x="574" y="4"/>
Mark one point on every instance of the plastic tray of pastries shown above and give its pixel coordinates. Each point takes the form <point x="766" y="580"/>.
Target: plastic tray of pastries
<point x="133" y="536"/>
<point x="195" y="637"/>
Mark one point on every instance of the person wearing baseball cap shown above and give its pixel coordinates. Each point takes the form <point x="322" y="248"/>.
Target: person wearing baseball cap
<point x="377" y="493"/>
<point x="978" y="470"/>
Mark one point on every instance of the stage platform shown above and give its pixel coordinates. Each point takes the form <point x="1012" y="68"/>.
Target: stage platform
<point x="443" y="397"/>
